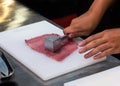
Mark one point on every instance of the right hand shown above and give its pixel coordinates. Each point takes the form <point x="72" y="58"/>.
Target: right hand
<point x="82" y="25"/>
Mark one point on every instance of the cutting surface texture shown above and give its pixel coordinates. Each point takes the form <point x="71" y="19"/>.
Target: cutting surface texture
<point x="13" y="42"/>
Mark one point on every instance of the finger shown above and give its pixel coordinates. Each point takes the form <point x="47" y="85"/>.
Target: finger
<point x="92" y="44"/>
<point x="91" y="38"/>
<point x="78" y="34"/>
<point x="103" y="54"/>
<point x="69" y="29"/>
<point x="97" y="50"/>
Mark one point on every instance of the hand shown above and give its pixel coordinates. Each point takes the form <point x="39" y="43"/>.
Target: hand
<point x="82" y="25"/>
<point x="102" y="44"/>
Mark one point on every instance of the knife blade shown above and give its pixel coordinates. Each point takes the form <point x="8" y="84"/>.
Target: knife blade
<point x="3" y="67"/>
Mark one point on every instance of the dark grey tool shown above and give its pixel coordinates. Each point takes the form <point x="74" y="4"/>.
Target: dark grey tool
<point x="5" y="68"/>
<point x="54" y="42"/>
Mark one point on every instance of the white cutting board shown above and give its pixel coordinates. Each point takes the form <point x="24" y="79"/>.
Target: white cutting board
<point x="109" y="77"/>
<point x="46" y="68"/>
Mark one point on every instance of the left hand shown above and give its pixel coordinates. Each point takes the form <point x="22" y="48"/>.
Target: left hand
<point x="102" y="44"/>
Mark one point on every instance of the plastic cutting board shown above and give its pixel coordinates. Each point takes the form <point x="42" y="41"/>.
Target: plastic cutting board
<point x="12" y="41"/>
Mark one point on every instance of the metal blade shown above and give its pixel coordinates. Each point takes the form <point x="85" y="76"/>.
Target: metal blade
<point x="3" y="67"/>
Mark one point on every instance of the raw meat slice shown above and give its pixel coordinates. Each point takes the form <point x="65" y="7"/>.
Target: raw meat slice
<point x="37" y="44"/>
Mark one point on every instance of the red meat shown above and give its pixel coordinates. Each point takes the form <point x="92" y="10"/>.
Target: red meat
<point x="37" y="44"/>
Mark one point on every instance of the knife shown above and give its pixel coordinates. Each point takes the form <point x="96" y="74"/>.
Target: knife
<point x="3" y="67"/>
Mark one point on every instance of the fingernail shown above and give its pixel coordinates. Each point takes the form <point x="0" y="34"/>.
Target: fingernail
<point x="81" y="44"/>
<point x="95" y="57"/>
<point x="86" y="56"/>
<point x="70" y="35"/>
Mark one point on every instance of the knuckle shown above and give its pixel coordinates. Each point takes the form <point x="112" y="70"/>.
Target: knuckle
<point x="102" y="55"/>
<point x="94" y="42"/>
<point x="97" y="50"/>
<point x="86" y="33"/>
<point x="73" y="20"/>
<point x="92" y="53"/>
<point x="106" y="53"/>
<point x="86" y="48"/>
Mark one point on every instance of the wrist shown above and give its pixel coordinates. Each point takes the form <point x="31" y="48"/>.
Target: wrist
<point x="99" y="7"/>
<point x="95" y="18"/>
